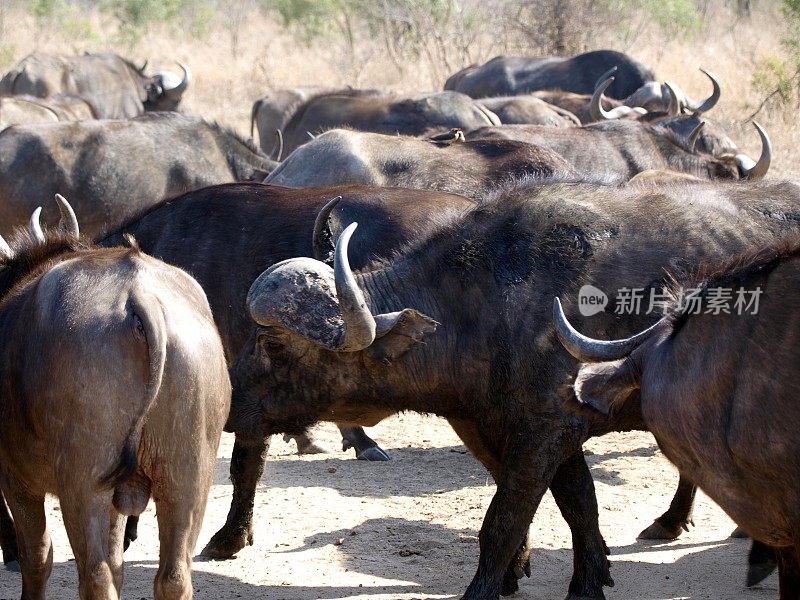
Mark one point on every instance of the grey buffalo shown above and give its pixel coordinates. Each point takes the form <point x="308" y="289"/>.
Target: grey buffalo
<point x="622" y="149"/>
<point x="385" y="114"/>
<point x="116" y="169"/>
<point x="113" y="87"/>
<point x="23" y="110"/>
<point x="472" y="168"/>
<point x="130" y="353"/>
<point x="530" y="110"/>
<point x="458" y="325"/>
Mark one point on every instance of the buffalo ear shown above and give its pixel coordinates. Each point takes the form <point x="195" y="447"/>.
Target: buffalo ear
<point x="605" y="387"/>
<point x="396" y="333"/>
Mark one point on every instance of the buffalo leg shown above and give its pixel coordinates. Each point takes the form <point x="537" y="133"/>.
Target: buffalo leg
<point x="520" y="564"/>
<point x="366" y="448"/>
<point x="179" y="521"/>
<point x="87" y="519"/>
<point x="116" y="546"/>
<point x="306" y="443"/>
<point x="33" y="541"/>
<point x="760" y="563"/>
<point x="8" y="539"/>
<point x="788" y="573"/>
<point x="247" y="466"/>
<point x="678" y="516"/>
<point x="573" y="491"/>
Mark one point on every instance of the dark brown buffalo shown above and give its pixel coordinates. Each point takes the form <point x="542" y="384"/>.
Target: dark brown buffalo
<point x="512" y="75"/>
<point x="529" y="109"/>
<point x="471" y="168"/>
<point x="712" y="387"/>
<point x="272" y="112"/>
<point x="130" y="353"/>
<point x="225" y="235"/>
<point x="116" y="169"/>
<point x="458" y="325"/>
<point x="385" y="114"/>
<point x="621" y="149"/>
<point x="113" y="87"/>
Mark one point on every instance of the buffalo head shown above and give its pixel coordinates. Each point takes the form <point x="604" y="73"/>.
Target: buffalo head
<point x="165" y="89"/>
<point x="317" y="344"/>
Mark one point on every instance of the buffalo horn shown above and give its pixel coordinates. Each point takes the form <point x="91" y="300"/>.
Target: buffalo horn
<point x="35" y="227"/>
<point x="759" y="170"/>
<point x="320" y="239"/>
<point x="5" y="250"/>
<point x="69" y="222"/>
<point x="695" y="135"/>
<point x="359" y="324"/>
<point x="596" y="110"/>
<point x="712" y="100"/>
<point x="587" y="349"/>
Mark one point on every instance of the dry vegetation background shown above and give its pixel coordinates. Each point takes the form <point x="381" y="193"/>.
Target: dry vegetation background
<point x="240" y="49"/>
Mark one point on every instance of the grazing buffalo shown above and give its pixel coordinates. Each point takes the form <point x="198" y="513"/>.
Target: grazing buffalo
<point x="385" y="114"/>
<point x="272" y="112"/>
<point x="458" y="325"/>
<point x="513" y="75"/>
<point x="23" y="110"/>
<point x="132" y="406"/>
<point x="621" y="149"/>
<point x="712" y="386"/>
<point x="115" y="169"/>
<point x="529" y="109"/>
<point x="471" y="168"/>
<point x="113" y="87"/>
<point x="225" y="235"/>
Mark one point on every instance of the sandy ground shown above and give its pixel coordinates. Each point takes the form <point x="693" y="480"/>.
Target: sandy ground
<point x="332" y="527"/>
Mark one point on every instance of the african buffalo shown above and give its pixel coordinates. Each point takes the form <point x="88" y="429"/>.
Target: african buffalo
<point x="513" y="75"/>
<point x="457" y="325"/>
<point x="132" y="406"/>
<point x="621" y="149"/>
<point x="225" y="235"/>
<point x="113" y="87"/>
<point x="115" y="169"/>
<point x="385" y="114"/>
<point x="472" y="168"/>
<point x="23" y="110"/>
<point x="699" y="379"/>
<point x="529" y="109"/>
<point x="272" y="112"/>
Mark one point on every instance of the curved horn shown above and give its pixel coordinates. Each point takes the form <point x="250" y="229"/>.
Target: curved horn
<point x="280" y="146"/>
<point x="35" y="227"/>
<point x="178" y="90"/>
<point x="69" y="222"/>
<point x="674" y="108"/>
<point x="596" y="110"/>
<point x="587" y="349"/>
<point x="712" y="100"/>
<point x="5" y="250"/>
<point x="604" y="76"/>
<point x="762" y="166"/>
<point x="695" y="135"/>
<point x="359" y="324"/>
<point x="322" y="247"/>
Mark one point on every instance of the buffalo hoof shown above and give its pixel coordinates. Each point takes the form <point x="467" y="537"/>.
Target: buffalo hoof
<point x="657" y="531"/>
<point x="374" y="454"/>
<point x="224" y="545"/>
<point x="756" y="573"/>
<point x="12" y="566"/>
<point x="739" y="533"/>
<point x="516" y="571"/>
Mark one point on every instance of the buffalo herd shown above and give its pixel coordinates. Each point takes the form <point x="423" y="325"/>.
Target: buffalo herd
<point x="376" y="253"/>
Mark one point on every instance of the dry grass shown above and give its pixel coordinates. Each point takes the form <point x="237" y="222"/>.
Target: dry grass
<point x="226" y="84"/>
